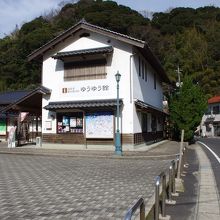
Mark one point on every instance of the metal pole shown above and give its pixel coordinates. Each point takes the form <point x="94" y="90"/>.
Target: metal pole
<point x="173" y="177"/>
<point x="163" y="209"/>
<point x="170" y="183"/>
<point x="142" y="212"/>
<point x="118" y="149"/>
<point x="139" y="204"/>
<point x="181" y="151"/>
<point x="157" y="189"/>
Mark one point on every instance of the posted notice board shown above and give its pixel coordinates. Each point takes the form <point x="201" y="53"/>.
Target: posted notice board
<point x="99" y="125"/>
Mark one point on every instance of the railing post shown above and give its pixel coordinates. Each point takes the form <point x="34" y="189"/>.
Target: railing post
<point x="139" y="204"/>
<point x="157" y="192"/>
<point x="163" y="209"/>
<point x="172" y="187"/>
<point x="170" y="183"/>
<point x="142" y="211"/>
<point x="173" y="177"/>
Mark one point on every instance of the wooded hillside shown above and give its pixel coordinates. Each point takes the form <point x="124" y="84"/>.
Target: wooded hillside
<point x="186" y="37"/>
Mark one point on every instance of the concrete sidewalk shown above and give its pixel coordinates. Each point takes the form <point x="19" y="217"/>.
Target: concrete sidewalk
<point x="200" y="199"/>
<point x="164" y="149"/>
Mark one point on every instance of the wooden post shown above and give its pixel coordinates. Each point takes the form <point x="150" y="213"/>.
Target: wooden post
<point x="181" y="152"/>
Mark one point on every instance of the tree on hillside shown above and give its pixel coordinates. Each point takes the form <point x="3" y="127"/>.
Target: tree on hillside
<point x="187" y="105"/>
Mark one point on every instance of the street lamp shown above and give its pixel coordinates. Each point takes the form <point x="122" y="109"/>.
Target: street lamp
<point x="118" y="149"/>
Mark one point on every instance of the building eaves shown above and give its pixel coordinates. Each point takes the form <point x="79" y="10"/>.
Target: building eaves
<point x="146" y="106"/>
<point x="101" y="50"/>
<point x="82" y="104"/>
<point x="87" y="26"/>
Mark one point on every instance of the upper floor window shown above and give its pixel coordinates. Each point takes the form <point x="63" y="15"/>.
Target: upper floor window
<point x="85" y="64"/>
<point x="85" y="70"/>
<point x="139" y="66"/>
<point x="142" y="68"/>
<point x="145" y="72"/>
<point x="155" y="81"/>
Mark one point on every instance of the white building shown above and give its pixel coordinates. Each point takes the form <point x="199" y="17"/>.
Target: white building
<point x="210" y="125"/>
<point x="79" y="68"/>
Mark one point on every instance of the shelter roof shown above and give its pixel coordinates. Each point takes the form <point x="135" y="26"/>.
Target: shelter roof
<point x="29" y="100"/>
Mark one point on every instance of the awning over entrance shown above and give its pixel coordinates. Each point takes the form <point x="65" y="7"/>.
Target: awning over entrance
<point x="144" y="107"/>
<point x="86" y="104"/>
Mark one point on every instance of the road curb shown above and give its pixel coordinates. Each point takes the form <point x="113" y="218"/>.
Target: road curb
<point x="51" y="154"/>
<point x="208" y="193"/>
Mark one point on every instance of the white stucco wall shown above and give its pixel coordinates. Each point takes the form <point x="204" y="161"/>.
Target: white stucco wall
<point x="145" y="91"/>
<point x="53" y="78"/>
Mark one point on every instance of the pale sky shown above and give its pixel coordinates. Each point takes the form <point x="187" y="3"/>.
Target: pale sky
<point x="17" y="12"/>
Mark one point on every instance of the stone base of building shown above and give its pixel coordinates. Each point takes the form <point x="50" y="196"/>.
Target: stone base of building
<point x="133" y="139"/>
<point x="130" y="142"/>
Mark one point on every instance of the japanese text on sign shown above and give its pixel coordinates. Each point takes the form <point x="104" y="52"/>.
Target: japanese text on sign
<point x="86" y="89"/>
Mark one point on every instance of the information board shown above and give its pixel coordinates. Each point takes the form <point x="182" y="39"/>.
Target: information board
<point x="99" y="125"/>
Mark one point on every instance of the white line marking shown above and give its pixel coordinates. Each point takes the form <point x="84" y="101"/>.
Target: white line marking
<point x="214" y="154"/>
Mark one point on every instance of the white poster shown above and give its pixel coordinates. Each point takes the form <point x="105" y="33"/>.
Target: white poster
<point x="99" y="125"/>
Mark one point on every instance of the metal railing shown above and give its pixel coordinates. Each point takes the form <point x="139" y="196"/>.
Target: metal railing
<point x="172" y="174"/>
<point x="160" y="192"/>
<point x="158" y="182"/>
<point x="139" y="204"/>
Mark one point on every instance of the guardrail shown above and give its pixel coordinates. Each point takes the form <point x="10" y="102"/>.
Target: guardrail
<point x="160" y="192"/>
<point x="139" y="204"/>
<point x="171" y="184"/>
<point x="158" y="182"/>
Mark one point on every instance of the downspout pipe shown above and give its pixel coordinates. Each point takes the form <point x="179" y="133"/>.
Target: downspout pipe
<point x="130" y="76"/>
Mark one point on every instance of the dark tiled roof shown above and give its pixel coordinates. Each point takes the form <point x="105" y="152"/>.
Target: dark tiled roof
<point x="141" y="45"/>
<point x="82" y="104"/>
<point x="38" y="90"/>
<point x="215" y="99"/>
<point x="10" y="97"/>
<point x="85" y="25"/>
<point x="101" y="50"/>
<point x="144" y="105"/>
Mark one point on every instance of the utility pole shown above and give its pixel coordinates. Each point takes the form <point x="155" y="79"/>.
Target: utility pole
<point x="178" y="84"/>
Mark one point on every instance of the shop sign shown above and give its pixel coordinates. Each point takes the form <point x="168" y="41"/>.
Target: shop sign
<point x="86" y="89"/>
<point x="99" y="125"/>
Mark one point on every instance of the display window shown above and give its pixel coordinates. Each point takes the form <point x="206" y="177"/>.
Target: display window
<point x="71" y="122"/>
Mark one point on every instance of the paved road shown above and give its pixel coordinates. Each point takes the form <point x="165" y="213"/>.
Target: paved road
<point x="42" y="187"/>
<point x="214" y="145"/>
